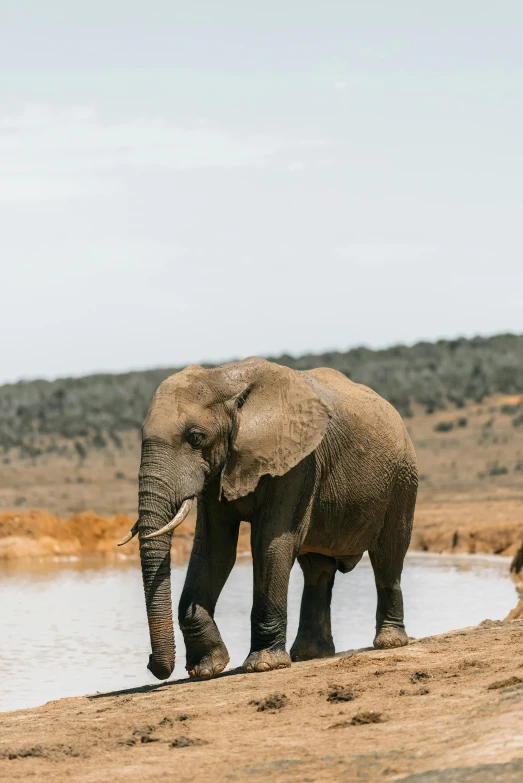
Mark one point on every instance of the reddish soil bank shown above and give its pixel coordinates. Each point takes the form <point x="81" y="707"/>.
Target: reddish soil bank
<point x="38" y="534"/>
<point x="453" y="526"/>
<point x="451" y="703"/>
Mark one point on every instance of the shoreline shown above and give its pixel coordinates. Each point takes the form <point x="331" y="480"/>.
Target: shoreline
<point x="447" y="702"/>
<point x="48" y="681"/>
<point x="101" y="560"/>
<point x="450" y="526"/>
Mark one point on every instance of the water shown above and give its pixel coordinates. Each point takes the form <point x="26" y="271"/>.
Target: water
<point x="81" y="628"/>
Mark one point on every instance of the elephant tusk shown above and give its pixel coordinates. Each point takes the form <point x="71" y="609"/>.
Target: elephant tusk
<point x="175" y="521"/>
<point x="131" y="534"/>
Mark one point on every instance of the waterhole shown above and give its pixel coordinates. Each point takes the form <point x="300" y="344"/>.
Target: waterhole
<point x="78" y="628"/>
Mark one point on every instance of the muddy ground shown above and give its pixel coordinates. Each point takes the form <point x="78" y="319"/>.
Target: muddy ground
<point x="452" y="702"/>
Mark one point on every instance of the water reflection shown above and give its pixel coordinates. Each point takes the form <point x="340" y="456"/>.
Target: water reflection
<point x="79" y="627"/>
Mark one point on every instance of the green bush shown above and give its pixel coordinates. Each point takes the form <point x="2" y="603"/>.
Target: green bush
<point x="444" y="426"/>
<point x="510" y="410"/>
<point x="497" y="470"/>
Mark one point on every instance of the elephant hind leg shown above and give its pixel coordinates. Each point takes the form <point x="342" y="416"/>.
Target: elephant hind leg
<point x="314" y="638"/>
<point x="387" y="556"/>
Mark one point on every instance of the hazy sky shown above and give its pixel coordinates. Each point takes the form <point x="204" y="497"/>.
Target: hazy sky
<point x="183" y="181"/>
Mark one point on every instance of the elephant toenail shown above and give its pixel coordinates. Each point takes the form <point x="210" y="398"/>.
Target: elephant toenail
<point x="262" y="666"/>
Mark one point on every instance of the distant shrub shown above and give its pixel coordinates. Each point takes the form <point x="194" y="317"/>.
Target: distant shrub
<point x="98" y="441"/>
<point x="433" y="375"/>
<point x="488" y="424"/>
<point x="462" y="422"/>
<point x="115" y="439"/>
<point x="497" y="470"/>
<point x="444" y="426"/>
<point x="80" y="449"/>
<point x="510" y="410"/>
<point x="457" y="398"/>
<point x="119" y="475"/>
<point x="28" y="449"/>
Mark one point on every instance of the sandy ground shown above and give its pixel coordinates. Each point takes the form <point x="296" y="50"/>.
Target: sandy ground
<point x="450" y="702"/>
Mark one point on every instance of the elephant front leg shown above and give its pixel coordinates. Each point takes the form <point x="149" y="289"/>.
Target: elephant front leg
<point x="212" y="558"/>
<point x="272" y="563"/>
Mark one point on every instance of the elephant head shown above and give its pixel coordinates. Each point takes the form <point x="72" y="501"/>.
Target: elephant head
<point x="227" y="426"/>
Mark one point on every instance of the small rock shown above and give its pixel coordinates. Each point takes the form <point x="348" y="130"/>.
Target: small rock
<point x="185" y="742"/>
<point x="490" y="623"/>
<point x="419" y="677"/>
<point x="339" y="693"/>
<point x="363" y="718"/>
<point x="276" y="701"/>
<point x="494" y="686"/>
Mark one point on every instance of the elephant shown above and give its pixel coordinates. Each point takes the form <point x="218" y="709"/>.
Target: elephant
<point x="321" y="467"/>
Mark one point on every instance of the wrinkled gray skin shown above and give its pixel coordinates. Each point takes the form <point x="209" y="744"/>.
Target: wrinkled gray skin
<point x="322" y="468"/>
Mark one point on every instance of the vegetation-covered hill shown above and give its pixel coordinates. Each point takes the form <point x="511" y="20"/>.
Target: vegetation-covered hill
<point x="90" y="411"/>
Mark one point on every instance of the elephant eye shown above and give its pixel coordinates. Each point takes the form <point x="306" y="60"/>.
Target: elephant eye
<point x="195" y="438"/>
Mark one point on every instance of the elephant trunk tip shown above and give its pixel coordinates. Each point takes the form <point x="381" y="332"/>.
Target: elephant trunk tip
<point x="161" y="669"/>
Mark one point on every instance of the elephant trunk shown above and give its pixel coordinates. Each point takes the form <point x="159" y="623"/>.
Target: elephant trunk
<point x="155" y="510"/>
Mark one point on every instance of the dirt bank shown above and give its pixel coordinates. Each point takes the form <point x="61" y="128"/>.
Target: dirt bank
<point x="465" y="525"/>
<point x="39" y="535"/>
<point x="450" y="701"/>
<point x="454" y="526"/>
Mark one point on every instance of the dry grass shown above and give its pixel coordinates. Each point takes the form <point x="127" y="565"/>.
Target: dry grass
<point x="470" y="497"/>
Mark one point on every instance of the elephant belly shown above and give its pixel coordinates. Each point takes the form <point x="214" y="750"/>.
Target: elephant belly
<point x="343" y="533"/>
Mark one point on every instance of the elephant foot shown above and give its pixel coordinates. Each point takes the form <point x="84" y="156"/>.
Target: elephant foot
<point x="265" y="660"/>
<point x="390" y="636"/>
<point x="213" y="663"/>
<point x="307" y="648"/>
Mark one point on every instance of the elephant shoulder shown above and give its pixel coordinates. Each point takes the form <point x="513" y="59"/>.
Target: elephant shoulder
<point x="329" y="379"/>
<point x="359" y="405"/>
<point x="332" y="384"/>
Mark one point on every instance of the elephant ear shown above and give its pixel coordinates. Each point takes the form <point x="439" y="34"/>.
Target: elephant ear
<point x="280" y="419"/>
